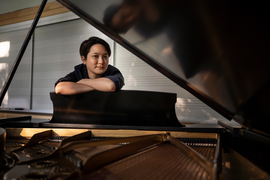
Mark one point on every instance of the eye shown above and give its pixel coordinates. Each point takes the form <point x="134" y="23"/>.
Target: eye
<point x="96" y="56"/>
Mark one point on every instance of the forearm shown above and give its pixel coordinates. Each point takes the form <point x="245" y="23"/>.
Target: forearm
<point x="100" y="84"/>
<point x="70" y="88"/>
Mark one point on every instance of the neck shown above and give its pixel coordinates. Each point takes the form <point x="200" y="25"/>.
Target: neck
<point x="92" y="75"/>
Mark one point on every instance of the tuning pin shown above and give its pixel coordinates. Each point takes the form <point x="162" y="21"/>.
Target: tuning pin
<point x="79" y="164"/>
<point x="52" y="149"/>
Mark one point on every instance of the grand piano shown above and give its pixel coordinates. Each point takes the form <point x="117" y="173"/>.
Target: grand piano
<point x="216" y="50"/>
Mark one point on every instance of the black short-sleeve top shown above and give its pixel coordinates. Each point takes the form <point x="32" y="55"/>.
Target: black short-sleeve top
<point x="80" y="72"/>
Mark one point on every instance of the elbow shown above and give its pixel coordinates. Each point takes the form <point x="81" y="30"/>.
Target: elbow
<point x="111" y="87"/>
<point x="58" y="90"/>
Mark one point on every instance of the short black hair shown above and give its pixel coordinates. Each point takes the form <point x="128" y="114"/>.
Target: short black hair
<point x="87" y="44"/>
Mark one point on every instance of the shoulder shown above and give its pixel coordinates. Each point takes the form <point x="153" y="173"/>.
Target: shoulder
<point x="112" y="69"/>
<point x="79" y="67"/>
<point x="79" y="73"/>
<point x="114" y="75"/>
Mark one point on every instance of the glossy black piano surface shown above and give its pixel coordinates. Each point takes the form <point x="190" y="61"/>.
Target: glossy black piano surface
<point x="133" y="108"/>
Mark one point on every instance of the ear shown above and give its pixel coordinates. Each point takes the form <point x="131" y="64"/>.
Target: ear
<point x="83" y="59"/>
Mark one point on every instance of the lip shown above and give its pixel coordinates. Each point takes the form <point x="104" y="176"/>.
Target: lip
<point x="100" y="67"/>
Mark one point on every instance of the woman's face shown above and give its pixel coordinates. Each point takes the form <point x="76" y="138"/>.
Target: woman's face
<point x="96" y="61"/>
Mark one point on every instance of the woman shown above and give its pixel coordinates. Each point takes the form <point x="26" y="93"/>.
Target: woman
<point x="94" y="73"/>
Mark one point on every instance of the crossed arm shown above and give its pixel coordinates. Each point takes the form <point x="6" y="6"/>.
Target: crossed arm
<point x="85" y="85"/>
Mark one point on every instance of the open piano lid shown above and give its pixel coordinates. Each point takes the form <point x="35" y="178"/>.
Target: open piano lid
<point x="216" y="50"/>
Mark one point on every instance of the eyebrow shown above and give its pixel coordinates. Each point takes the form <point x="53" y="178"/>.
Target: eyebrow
<point x="98" y="53"/>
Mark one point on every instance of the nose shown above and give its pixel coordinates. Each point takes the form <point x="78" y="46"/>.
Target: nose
<point x="100" y="60"/>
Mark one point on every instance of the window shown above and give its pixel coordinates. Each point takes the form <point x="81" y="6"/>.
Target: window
<point x="18" y="95"/>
